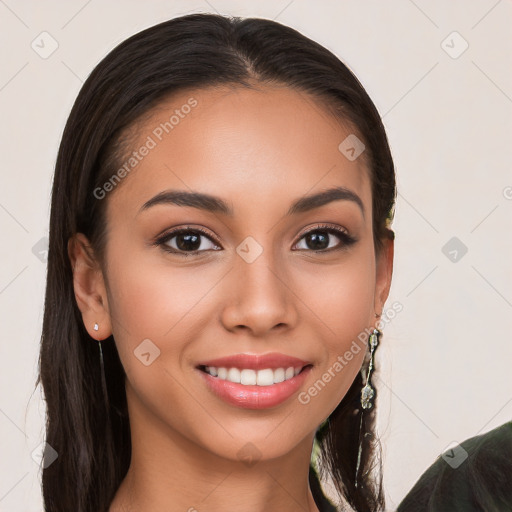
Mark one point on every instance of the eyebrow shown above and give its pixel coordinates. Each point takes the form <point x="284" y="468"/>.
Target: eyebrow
<point x="215" y="204"/>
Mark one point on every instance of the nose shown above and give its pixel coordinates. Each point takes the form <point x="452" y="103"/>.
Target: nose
<point x="259" y="297"/>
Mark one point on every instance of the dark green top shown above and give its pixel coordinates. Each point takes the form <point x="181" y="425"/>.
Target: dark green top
<point x="475" y="476"/>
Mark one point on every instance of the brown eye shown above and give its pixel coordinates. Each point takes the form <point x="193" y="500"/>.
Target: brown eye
<point x="187" y="241"/>
<point x="322" y="239"/>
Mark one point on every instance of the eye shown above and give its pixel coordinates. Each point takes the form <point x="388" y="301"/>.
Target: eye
<point x="319" y="239"/>
<point x="186" y="241"/>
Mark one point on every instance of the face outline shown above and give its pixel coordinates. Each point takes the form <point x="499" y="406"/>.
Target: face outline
<point x="217" y="304"/>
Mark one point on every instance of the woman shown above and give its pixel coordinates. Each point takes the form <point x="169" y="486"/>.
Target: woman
<point x="220" y="256"/>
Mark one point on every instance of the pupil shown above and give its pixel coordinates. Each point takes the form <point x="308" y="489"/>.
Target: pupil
<point x="318" y="241"/>
<point x="188" y="242"/>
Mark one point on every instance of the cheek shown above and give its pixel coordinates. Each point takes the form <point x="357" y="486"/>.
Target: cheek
<point x="342" y="296"/>
<point x="153" y="299"/>
<point x="149" y="300"/>
<point x="343" y="302"/>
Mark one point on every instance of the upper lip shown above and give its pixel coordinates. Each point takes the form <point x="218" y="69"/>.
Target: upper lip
<point x="256" y="361"/>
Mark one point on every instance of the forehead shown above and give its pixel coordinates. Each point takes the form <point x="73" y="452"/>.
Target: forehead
<point x="252" y="146"/>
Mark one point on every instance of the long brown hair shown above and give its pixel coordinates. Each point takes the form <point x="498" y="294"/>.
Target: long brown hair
<point x="92" y="438"/>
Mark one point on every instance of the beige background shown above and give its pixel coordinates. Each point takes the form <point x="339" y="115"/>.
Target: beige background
<point x="444" y="365"/>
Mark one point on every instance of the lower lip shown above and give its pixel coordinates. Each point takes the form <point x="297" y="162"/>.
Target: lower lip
<point x="255" y="397"/>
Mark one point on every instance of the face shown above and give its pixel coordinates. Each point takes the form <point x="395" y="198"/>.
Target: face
<point x="249" y="273"/>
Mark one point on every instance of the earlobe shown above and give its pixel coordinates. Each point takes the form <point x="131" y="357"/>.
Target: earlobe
<point x="89" y="287"/>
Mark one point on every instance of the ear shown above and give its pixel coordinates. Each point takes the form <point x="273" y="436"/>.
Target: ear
<point x="89" y="286"/>
<point x="384" y="272"/>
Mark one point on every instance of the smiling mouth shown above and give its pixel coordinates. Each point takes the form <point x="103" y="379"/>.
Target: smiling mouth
<point x="250" y="377"/>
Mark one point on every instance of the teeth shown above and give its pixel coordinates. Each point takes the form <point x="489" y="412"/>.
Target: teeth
<point x="234" y="375"/>
<point x="249" y="377"/>
<point x="264" y="377"/>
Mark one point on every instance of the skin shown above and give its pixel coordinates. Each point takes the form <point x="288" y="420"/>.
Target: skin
<point x="259" y="149"/>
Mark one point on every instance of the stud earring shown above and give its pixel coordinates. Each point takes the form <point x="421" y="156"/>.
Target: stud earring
<point x="96" y="327"/>
<point x="368" y="392"/>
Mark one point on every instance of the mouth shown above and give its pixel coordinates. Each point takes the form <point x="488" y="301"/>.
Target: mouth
<point x="253" y="377"/>
<point x="255" y="381"/>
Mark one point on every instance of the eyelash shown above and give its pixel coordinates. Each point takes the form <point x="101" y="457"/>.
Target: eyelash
<point x="346" y="239"/>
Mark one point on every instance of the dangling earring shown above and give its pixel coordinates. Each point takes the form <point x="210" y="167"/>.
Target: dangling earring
<point x="103" y="380"/>
<point x="367" y="396"/>
<point x="368" y="393"/>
